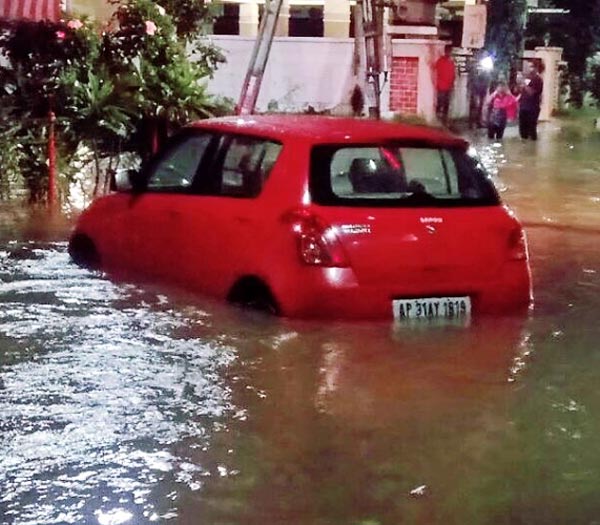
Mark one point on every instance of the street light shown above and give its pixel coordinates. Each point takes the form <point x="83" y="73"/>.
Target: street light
<point x="487" y="64"/>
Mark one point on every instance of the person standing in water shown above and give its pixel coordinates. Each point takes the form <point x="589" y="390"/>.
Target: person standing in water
<point x="530" y="101"/>
<point x="502" y="108"/>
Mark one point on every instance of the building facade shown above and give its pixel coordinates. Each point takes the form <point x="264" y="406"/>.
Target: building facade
<point x="314" y="63"/>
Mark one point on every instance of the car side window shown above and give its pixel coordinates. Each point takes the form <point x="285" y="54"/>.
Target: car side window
<point x="177" y="168"/>
<point x="246" y="165"/>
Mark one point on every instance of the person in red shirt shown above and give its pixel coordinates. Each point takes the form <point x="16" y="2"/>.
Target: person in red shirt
<point x="445" y="75"/>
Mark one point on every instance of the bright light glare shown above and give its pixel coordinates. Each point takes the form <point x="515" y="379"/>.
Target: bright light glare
<point x="113" y="517"/>
<point x="306" y="197"/>
<point x="487" y="63"/>
<point x="472" y="152"/>
<point x="331" y="233"/>
<point x="335" y="276"/>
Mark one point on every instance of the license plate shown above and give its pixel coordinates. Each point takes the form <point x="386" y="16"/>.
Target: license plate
<point x="432" y="308"/>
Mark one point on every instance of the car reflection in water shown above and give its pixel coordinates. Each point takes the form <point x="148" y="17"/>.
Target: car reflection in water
<point x="346" y="421"/>
<point x="421" y="360"/>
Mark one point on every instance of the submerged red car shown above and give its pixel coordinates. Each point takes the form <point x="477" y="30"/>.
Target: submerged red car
<point x="311" y="216"/>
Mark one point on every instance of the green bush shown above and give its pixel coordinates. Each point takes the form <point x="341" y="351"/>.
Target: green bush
<point x="112" y="91"/>
<point x="593" y="78"/>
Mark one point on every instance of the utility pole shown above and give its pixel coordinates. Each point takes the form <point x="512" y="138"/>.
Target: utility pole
<point x="368" y="31"/>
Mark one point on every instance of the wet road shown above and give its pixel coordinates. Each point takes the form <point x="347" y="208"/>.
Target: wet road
<point x="135" y="404"/>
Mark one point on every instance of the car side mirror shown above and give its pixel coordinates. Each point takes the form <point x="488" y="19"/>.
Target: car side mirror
<point x="137" y="181"/>
<point x="127" y="180"/>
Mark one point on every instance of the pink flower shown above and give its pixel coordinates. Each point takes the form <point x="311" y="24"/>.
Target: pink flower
<point x="150" y="27"/>
<point x="75" y="24"/>
<point x="60" y="35"/>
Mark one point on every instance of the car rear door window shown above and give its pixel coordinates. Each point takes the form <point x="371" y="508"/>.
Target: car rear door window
<point x="398" y="175"/>
<point x="177" y="167"/>
<point x="246" y="165"/>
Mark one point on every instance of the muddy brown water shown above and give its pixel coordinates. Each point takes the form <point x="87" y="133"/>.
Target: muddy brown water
<point x="132" y="403"/>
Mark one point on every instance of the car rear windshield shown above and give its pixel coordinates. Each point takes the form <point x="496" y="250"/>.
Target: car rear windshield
<point x="392" y="175"/>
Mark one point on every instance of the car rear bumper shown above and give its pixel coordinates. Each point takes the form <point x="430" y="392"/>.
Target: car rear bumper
<point x="335" y="293"/>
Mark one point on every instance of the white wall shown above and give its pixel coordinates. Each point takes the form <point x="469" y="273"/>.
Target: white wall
<point x="300" y="71"/>
<point x="319" y="72"/>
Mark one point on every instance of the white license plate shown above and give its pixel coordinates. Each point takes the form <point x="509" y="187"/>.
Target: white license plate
<point x="432" y="308"/>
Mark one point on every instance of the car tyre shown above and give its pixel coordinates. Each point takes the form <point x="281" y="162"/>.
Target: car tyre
<point x="252" y="292"/>
<point x="83" y="252"/>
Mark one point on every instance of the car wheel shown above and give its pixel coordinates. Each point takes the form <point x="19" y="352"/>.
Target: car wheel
<point x="83" y="252"/>
<point x="252" y="292"/>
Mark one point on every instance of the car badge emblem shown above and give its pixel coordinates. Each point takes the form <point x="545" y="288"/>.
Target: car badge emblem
<point x="430" y="229"/>
<point x="356" y="228"/>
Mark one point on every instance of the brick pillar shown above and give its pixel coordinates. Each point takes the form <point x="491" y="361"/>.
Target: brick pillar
<point x="404" y="83"/>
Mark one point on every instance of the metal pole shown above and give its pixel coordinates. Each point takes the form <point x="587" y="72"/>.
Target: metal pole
<point x="370" y="18"/>
<point x="259" y="57"/>
<point x="51" y="160"/>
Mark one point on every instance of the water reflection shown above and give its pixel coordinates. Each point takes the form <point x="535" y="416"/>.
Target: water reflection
<point x="120" y="404"/>
<point x="360" y="375"/>
<point x="98" y="381"/>
<point x="551" y="182"/>
<point x="358" y="424"/>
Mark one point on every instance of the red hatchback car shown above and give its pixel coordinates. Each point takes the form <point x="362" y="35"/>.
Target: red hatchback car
<point x="316" y="217"/>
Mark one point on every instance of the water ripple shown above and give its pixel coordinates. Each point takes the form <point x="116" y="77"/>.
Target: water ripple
<point x="96" y="388"/>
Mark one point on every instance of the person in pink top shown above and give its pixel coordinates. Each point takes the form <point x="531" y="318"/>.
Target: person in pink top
<point x="502" y="108"/>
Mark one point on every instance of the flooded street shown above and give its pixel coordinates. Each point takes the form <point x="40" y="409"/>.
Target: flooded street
<point x="127" y="403"/>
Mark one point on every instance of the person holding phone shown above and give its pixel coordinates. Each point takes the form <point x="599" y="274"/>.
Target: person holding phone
<point x="530" y="101"/>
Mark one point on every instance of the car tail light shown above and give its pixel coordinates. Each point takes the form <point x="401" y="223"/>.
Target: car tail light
<point x="517" y="245"/>
<point x="317" y="241"/>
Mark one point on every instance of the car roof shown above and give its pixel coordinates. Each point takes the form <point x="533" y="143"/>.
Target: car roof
<point x="326" y="129"/>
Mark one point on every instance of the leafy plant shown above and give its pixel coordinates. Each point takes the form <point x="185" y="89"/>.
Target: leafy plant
<point x="504" y="34"/>
<point x="593" y="77"/>
<point x="576" y="30"/>
<point x="189" y="16"/>
<point x="10" y="158"/>
<point x="112" y="92"/>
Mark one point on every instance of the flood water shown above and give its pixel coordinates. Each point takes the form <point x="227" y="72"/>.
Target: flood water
<point x="127" y="403"/>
